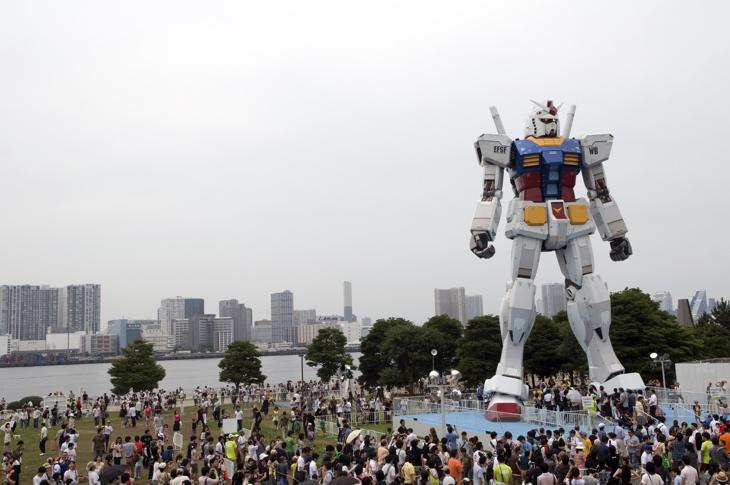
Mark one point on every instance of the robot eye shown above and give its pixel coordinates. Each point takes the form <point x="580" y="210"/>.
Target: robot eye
<point x="547" y="120"/>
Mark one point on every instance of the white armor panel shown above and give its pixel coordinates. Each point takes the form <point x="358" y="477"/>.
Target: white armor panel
<point x="576" y="260"/>
<point x="555" y="231"/>
<point x="608" y="219"/>
<point x="486" y="218"/>
<point x="494" y="149"/>
<point x="596" y="149"/>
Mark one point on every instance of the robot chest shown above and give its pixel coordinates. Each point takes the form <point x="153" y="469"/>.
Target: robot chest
<point x="546" y="175"/>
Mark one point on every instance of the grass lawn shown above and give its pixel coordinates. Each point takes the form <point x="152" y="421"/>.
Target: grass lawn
<point x="86" y="429"/>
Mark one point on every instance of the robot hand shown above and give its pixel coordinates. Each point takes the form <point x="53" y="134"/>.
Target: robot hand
<point x="480" y="246"/>
<point x="620" y="249"/>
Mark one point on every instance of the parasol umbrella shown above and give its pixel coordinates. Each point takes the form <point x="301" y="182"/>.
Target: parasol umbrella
<point x="344" y="481"/>
<point x="352" y="436"/>
<point x="111" y="472"/>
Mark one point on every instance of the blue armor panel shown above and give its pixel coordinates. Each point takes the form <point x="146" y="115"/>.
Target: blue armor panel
<point x="551" y="158"/>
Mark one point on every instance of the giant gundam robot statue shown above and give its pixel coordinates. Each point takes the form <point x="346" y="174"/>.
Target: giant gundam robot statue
<point x="545" y="216"/>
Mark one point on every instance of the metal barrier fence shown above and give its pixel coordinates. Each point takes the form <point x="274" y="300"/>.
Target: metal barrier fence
<point x="530" y="414"/>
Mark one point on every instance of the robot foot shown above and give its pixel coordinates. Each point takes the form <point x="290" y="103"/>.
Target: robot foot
<point x="631" y="380"/>
<point x="506" y="395"/>
<point x="502" y="407"/>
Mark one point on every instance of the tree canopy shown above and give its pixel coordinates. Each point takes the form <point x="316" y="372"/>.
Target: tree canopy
<point x="443" y="333"/>
<point x="327" y="352"/>
<point x="241" y="364"/>
<point x="397" y="353"/>
<point x="374" y="358"/>
<point x="478" y="351"/>
<point x="136" y="369"/>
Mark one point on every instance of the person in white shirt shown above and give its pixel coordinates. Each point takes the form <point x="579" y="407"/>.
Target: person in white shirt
<point x="688" y="475"/>
<point x="71" y="474"/>
<point x="646" y="456"/>
<point x="40" y="476"/>
<point x="389" y="470"/>
<point x="448" y="479"/>
<point x="313" y="472"/>
<point x="44" y="438"/>
<point x="93" y="475"/>
<point x="158" y="468"/>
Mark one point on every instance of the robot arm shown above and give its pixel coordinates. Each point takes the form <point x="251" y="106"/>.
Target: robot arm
<point x="611" y="226"/>
<point x="493" y="154"/>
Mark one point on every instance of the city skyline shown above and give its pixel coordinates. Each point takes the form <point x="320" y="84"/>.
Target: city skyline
<point x="153" y="125"/>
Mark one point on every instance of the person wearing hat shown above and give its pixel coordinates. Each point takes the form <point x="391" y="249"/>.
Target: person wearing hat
<point x="720" y="478"/>
<point x="448" y="479"/>
<point x="93" y="475"/>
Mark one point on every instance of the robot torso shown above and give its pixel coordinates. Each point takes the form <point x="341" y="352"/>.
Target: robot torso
<point x="545" y="169"/>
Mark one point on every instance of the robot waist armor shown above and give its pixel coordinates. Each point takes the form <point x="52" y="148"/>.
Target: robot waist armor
<point x="555" y="222"/>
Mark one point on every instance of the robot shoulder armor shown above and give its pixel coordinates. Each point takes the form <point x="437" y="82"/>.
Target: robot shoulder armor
<point x="494" y="149"/>
<point x="596" y="149"/>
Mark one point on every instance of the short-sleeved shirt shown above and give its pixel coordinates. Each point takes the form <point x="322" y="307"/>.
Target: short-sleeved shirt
<point x="409" y="472"/>
<point x="455" y="468"/>
<point x="706" y="449"/>
<point x="502" y="473"/>
<point x="689" y="475"/>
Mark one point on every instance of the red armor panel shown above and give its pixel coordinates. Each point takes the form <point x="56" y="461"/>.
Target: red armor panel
<point x="529" y="186"/>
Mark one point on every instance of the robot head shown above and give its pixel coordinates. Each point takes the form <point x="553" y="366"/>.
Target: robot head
<point x="543" y="121"/>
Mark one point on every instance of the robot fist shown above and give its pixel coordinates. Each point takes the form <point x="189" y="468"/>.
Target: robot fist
<point x="620" y="249"/>
<point x="480" y="246"/>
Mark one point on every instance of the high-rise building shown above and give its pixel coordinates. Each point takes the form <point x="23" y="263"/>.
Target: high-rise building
<point x="220" y="333"/>
<point x="553" y="299"/>
<point x="303" y="317"/>
<point x="178" y="308"/>
<point x="20" y="312"/>
<point x="474" y="306"/>
<point x="83" y="308"/>
<point x="262" y="332"/>
<point x="182" y="331"/>
<point x="99" y="344"/>
<point x="451" y="302"/>
<point x="664" y="299"/>
<point x="127" y="330"/>
<point x="684" y="312"/>
<point x="52" y="307"/>
<point x="711" y="304"/>
<point x="242" y="318"/>
<point x="282" y="317"/>
<point x="347" y="289"/>
<point x="698" y="304"/>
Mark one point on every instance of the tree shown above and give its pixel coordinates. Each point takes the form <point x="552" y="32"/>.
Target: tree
<point x="720" y="315"/>
<point x="327" y="351"/>
<point x="713" y="338"/>
<point x="442" y="332"/>
<point x="479" y="350"/>
<point x="374" y="359"/>
<point x="541" y="355"/>
<point x="136" y="369"/>
<point x="639" y="328"/>
<point x="407" y="350"/>
<point x="241" y="364"/>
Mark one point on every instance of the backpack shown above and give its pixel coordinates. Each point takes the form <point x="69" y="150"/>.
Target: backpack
<point x="604" y="476"/>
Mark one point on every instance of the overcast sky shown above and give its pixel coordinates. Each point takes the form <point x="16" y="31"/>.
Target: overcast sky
<point x="233" y="149"/>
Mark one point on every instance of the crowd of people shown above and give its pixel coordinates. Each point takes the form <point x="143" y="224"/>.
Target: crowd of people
<point x="633" y="444"/>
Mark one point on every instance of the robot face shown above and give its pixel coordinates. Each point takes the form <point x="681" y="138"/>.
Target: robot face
<point x="543" y="121"/>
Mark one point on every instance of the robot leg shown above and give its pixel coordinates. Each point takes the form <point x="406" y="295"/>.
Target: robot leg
<point x="589" y="313"/>
<point x="506" y="388"/>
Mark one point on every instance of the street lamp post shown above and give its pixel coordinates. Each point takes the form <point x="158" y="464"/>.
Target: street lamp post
<point x="663" y="359"/>
<point x="442" y="383"/>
